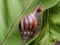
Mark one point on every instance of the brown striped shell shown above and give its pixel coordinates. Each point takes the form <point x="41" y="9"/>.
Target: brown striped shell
<point x="29" y="25"/>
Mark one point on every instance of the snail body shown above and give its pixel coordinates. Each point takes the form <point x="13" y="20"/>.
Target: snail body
<point x="29" y="24"/>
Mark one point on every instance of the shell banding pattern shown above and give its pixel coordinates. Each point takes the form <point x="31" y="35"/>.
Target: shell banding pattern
<point x="28" y="25"/>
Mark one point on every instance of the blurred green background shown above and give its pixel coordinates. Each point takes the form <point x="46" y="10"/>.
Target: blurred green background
<point x="11" y="14"/>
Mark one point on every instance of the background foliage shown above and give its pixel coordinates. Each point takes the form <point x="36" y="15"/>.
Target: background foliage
<point x="10" y="10"/>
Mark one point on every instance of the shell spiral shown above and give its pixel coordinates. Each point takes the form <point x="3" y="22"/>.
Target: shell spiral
<point x="28" y="24"/>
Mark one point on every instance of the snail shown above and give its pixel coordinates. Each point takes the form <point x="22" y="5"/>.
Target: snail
<point x="30" y="24"/>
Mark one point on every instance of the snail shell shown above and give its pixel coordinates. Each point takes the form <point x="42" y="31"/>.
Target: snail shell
<point x="29" y="25"/>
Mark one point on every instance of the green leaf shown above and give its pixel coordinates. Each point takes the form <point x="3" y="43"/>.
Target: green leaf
<point x="9" y="12"/>
<point x="54" y="11"/>
<point x="55" y="22"/>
